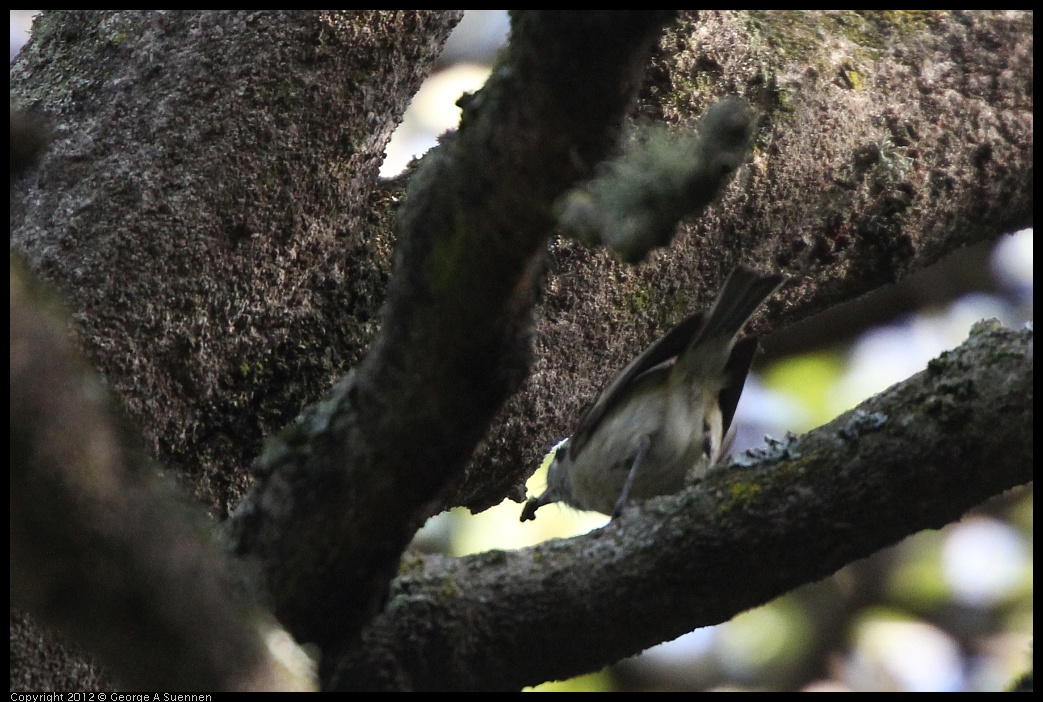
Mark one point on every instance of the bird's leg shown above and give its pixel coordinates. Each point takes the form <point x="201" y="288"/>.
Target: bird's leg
<point x="642" y="448"/>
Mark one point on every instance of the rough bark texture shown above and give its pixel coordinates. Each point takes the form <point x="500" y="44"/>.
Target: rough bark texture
<point x="209" y="208"/>
<point x="359" y="475"/>
<point x="99" y="547"/>
<point x="210" y="211"/>
<point x="741" y="537"/>
<point x="852" y="185"/>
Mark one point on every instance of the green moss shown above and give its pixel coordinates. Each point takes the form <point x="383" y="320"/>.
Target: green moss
<point x="411" y="562"/>
<point x="448" y="259"/>
<point x="911" y="20"/>
<point x="739" y="495"/>
<point x="287" y="97"/>
<point x="875" y="30"/>
<point x="798" y="36"/>
<point x="247" y="369"/>
<point x="792" y="469"/>
<point x="855" y="79"/>
<point x="639" y="299"/>
<point x="673" y="310"/>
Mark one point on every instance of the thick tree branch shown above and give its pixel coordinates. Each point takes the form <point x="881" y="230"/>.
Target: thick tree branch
<point x="852" y="185"/>
<point x="104" y="553"/>
<point x="204" y="258"/>
<point x="223" y="243"/>
<point x="361" y="472"/>
<point x="209" y="210"/>
<point x="737" y="539"/>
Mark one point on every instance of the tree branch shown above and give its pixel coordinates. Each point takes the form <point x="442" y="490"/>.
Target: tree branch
<point x="365" y="468"/>
<point x="210" y="210"/>
<point x="92" y="532"/>
<point x="223" y="242"/>
<point x="915" y="457"/>
<point x="851" y="186"/>
<point x="201" y="295"/>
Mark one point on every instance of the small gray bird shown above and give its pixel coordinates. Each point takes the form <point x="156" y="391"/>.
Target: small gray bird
<point x="668" y="413"/>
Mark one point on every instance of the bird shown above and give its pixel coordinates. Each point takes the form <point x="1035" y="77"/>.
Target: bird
<point x="666" y="417"/>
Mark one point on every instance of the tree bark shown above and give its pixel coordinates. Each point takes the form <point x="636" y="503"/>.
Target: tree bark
<point x="211" y="213"/>
<point x="743" y="536"/>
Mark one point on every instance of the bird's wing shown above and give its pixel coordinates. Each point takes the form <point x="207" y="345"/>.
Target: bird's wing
<point x="666" y="348"/>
